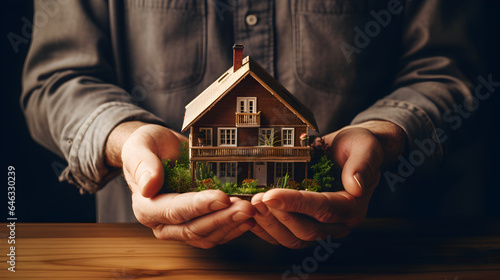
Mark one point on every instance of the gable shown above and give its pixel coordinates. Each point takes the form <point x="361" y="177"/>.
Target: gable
<point x="273" y="111"/>
<point x="209" y="98"/>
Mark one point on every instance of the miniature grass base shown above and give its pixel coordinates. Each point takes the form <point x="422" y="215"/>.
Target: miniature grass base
<point x="178" y="178"/>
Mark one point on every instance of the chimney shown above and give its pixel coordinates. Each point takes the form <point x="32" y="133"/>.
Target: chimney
<point x="237" y="56"/>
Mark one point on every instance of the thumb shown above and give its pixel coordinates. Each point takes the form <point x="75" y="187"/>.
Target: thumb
<point x="360" y="155"/>
<point x="141" y="165"/>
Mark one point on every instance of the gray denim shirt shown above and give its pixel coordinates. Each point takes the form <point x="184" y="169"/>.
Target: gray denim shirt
<point x="95" y="64"/>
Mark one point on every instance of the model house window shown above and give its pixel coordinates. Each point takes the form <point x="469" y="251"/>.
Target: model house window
<point x="282" y="168"/>
<point x="246" y="104"/>
<point x="208" y="135"/>
<point x="227" y="137"/>
<point x="265" y="134"/>
<point x="287" y="137"/>
<point x="227" y="171"/>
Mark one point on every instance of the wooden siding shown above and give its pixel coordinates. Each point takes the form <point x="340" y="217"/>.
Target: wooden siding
<point x="248" y="137"/>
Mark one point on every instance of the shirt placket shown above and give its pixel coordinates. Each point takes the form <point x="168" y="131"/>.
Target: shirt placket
<point x="254" y="28"/>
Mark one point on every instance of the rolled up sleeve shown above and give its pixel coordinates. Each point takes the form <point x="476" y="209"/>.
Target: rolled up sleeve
<point x="434" y="75"/>
<point x="70" y="96"/>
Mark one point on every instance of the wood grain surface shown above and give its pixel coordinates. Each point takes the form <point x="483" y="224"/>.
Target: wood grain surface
<point x="377" y="249"/>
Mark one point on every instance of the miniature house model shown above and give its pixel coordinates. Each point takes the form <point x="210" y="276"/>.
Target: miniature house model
<point x="247" y="125"/>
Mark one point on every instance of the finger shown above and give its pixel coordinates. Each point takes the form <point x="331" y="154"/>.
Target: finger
<point x="279" y="232"/>
<point x="141" y="156"/>
<point x="177" y="208"/>
<point x="143" y="171"/>
<point x="260" y="232"/>
<point x="181" y="137"/>
<point x="222" y="235"/>
<point x="327" y="207"/>
<point x="259" y="205"/>
<point x="360" y="155"/>
<point x="308" y="229"/>
<point x="201" y="227"/>
<point x="239" y="230"/>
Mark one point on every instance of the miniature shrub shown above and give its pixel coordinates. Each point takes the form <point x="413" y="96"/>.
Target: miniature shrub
<point x="184" y="155"/>
<point x="249" y="183"/>
<point x="208" y="184"/>
<point x="203" y="171"/>
<point x="248" y="186"/>
<point x="229" y="188"/>
<point x="178" y="177"/>
<point x="292" y="184"/>
<point x="310" y="185"/>
<point x="323" y="173"/>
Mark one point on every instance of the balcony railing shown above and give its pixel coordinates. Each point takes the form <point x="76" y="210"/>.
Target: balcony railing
<point x="248" y="119"/>
<point x="250" y="154"/>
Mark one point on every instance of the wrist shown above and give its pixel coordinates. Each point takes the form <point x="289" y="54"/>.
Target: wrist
<point x="116" y="139"/>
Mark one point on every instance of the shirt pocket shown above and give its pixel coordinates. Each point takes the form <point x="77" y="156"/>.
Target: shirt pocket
<point x="166" y="43"/>
<point x="321" y="30"/>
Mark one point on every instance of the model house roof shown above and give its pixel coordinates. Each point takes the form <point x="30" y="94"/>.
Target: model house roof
<point x="218" y="89"/>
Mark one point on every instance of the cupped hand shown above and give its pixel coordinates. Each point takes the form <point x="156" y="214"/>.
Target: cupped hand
<point x="202" y="219"/>
<point x="295" y="219"/>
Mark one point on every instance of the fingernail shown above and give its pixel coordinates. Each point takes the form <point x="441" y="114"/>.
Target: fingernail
<point x="274" y="203"/>
<point x="357" y="178"/>
<point x="217" y="205"/>
<point x="261" y="208"/>
<point x="240" y="216"/>
<point x="144" y="179"/>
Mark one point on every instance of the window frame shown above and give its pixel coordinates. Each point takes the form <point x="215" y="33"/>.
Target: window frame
<point x="211" y="135"/>
<point x="292" y="137"/>
<point x="226" y="164"/>
<point x="219" y="138"/>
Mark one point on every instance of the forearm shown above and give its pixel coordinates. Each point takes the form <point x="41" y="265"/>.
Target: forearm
<point x="70" y="98"/>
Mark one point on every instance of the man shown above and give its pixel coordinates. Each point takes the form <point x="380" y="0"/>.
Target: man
<point x="105" y="85"/>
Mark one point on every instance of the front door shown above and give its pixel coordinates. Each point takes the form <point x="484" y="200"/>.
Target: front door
<point x="260" y="173"/>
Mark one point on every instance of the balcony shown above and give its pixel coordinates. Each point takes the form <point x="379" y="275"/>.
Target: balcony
<point x="248" y="119"/>
<point x="251" y="154"/>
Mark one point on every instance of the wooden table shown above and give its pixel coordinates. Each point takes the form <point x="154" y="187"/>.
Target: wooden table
<point x="377" y="249"/>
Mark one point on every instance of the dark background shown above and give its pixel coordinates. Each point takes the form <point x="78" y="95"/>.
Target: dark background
<point x="466" y="184"/>
<point x="40" y="197"/>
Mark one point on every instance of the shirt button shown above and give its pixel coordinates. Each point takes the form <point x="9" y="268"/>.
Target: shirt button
<point x="251" y="20"/>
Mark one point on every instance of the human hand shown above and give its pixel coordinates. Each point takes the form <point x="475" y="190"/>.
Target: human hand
<point x="295" y="219"/>
<point x="201" y="219"/>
